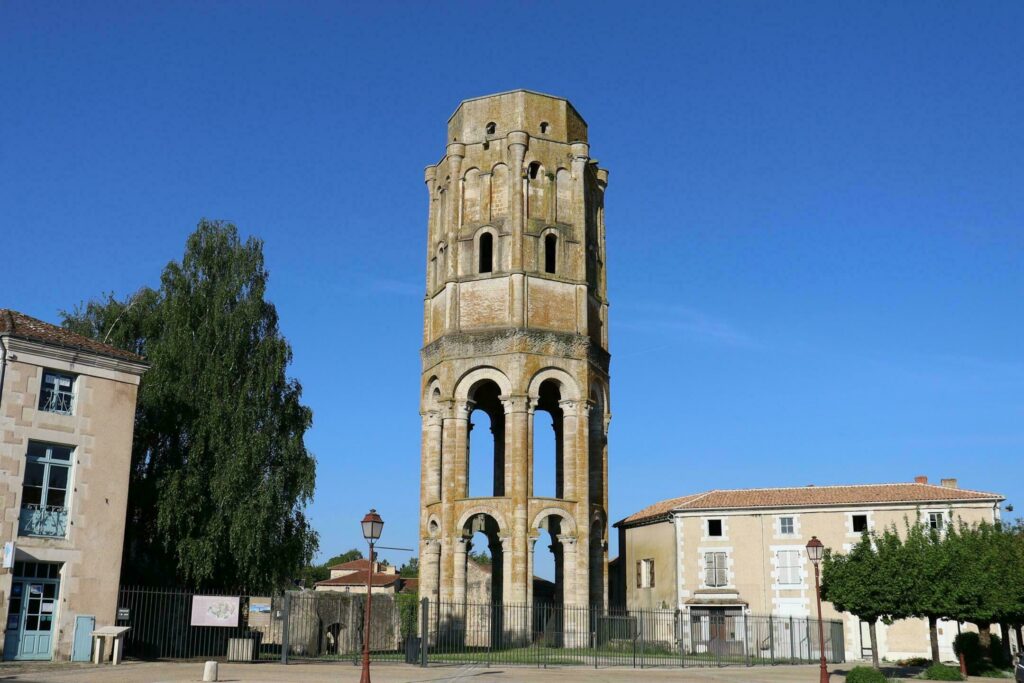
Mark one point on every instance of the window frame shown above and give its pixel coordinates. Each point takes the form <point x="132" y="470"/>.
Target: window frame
<point x="941" y="516"/>
<point x="791" y="571"/>
<point x="792" y="525"/>
<point x="718" y="575"/>
<point x="46" y="395"/>
<point x="480" y="253"/>
<point x="58" y="514"/>
<point x="645" y="573"/>
<point x="853" y="522"/>
<point x="721" y="528"/>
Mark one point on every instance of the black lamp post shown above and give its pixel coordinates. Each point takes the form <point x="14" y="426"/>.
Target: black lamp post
<point x="372" y="526"/>
<point x="815" y="551"/>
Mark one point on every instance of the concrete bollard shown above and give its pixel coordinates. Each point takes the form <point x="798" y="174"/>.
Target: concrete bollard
<point x="210" y="672"/>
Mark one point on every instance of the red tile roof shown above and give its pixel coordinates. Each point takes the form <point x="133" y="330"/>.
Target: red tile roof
<point x="809" y="496"/>
<point x="355" y="565"/>
<point x="21" y="326"/>
<point x="358" y="578"/>
<point x="411" y="586"/>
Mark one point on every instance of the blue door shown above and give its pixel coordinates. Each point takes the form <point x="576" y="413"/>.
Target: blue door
<point x="81" y="649"/>
<point x="32" y="611"/>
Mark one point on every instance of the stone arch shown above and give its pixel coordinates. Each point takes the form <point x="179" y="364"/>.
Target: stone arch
<point x="499" y="191"/>
<point x="464" y="387"/>
<point x="570" y="389"/>
<point x="432" y="393"/>
<point x="433" y="528"/>
<point x="541" y="516"/>
<point x="490" y="511"/>
<point x="472" y="195"/>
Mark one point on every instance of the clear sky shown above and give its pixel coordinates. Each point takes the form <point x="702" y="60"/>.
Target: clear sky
<point x="815" y="215"/>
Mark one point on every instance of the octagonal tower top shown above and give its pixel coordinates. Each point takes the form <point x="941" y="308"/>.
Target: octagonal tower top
<point x="489" y="117"/>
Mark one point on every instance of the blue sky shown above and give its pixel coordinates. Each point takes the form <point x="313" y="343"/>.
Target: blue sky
<point x="815" y="215"/>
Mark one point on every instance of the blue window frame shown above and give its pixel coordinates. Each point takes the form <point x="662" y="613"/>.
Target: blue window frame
<point x="56" y="393"/>
<point x="44" y="490"/>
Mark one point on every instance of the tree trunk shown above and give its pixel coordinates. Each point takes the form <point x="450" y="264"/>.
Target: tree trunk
<point x="1020" y="638"/>
<point x="1004" y="629"/>
<point x="985" y="639"/>
<point x="874" y="642"/>
<point x="933" y="635"/>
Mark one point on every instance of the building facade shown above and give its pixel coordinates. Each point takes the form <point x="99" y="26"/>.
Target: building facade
<point x="351" y="577"/>
<point x="743" y="551"/>
<point x="515" y="333"/>
<point x="67" y="411"/>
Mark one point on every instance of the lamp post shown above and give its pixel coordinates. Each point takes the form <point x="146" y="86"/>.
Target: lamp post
<point x="815" y="551"/>
<point x="372" y="526"/>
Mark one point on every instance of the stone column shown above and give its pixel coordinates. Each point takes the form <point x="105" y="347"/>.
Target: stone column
<point x="517" y="458"/>
<point x="518" y="141"/>
<point x="570" y="448"/>
<point x="574" y="625"/>
<point x="430" y="586"/>
<point x="460" y="553"/>
<point x="456" y="153"/>
<point x="430" y="178"/>
<point x="459" y="475"/>
<point x="432" y="430"/>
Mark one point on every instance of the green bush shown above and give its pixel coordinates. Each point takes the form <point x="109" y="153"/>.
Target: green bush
<point x="968" y="644"/>
<point x="997" y="655"/>
<point x="865" y="674"/>
<point x="941" y="672"/>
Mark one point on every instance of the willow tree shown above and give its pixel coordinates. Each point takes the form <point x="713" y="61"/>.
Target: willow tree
<point x="220" y="471"/>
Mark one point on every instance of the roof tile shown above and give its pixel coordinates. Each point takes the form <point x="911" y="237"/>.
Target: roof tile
<point x="21" y="326"/>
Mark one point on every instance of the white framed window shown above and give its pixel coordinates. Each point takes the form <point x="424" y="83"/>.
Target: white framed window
<point x="645" y="573"/>
<point x="787" y="526"/>
<point x="57" y="393"/>
<point x="936" y="520"/>
<point x="716" y="569"/>
<point x="788" y="563"/>
<point x="859" y="523"/>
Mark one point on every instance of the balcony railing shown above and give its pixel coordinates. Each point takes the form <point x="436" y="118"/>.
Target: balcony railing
<point x="43" y="520"/>
<point x="56" y="401"/>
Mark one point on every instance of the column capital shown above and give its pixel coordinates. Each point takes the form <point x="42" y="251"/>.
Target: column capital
<point x="515" y="403"/>
<point x="518" y="139"/>
<point x="506" y="544"/>
<point x="581" y="151"/>
<point x="432" y="417"/>
<point x="462" y="410"/>
<point x="461" y="544"/>
<point x="456" y="150"/>
<point x="430" y="175"/>
<point x="575" y="406"/>
<point x="568" y="542"/>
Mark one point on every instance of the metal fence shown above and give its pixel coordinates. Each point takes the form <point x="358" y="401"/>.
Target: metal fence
<point x="305" y="625"/>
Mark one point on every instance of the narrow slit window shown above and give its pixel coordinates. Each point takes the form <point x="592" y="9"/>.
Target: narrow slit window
<point x="534" y="170"/>
<point x="550" y="253"/>
<point x="491" y="128"/>
<point x="486" y="249"/>
<point x="544" y="127"/>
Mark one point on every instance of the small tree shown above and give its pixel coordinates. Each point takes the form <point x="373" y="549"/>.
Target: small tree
<point x="927" y="575"/>
<point x="857" y="583"/>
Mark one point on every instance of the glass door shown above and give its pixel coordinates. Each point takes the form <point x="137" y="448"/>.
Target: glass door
<point x="32" y="611"/>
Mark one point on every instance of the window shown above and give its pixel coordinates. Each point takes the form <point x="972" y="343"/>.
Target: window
<point x="486" y="249"/>
<point x="56" y="393"/>
<point x="716" y="572"/>
<point x="544" y="127"/>
<point x="786" y="526"/>
<point x="789" y="567"/>
<point x="491" y="128"/>
<point x="44" y="491"/>
<point x="533" y="170"/>
<point x="935" y="520"/>
<point x="645" y="573"/>
<point x="550" y="251"/>
<point x="860" y="523"/>
<point x="714" y="527"/>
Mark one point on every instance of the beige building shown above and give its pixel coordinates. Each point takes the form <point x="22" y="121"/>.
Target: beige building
<point x="67" y="411"/>
<point x="740" y="552"/>
<point x="351" y="577"/>
<point x="515" y="334"/>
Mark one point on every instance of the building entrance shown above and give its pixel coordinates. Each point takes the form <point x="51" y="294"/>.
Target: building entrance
<point x="32" y="611"/>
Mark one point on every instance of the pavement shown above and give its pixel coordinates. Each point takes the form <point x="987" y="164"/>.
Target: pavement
<point x="186" y="672"/>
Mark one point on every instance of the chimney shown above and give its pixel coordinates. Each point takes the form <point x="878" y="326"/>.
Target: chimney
<point x="949" y="483"/>
<point x="921" y="479"/>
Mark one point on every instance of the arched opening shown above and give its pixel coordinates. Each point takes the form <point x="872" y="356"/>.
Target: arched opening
<point x="550" y="253"/>
<point x="549" y="581"/>
<point x="486" y="449"/>
<point x="547" y="445"/>
<point x="485" y="564"/>
<point x="544" y="127"/>
<point x="491" y="128"/>
<point x="533" y="170"/>
<point x="485" y="251"/>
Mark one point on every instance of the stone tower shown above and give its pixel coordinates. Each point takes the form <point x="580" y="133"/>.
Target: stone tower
<point x="515" y="333"/>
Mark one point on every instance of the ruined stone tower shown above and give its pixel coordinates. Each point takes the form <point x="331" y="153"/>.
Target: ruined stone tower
<point x="515" y="333"/>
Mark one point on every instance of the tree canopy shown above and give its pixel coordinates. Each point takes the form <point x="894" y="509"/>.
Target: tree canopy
<point x="220" y="471"/>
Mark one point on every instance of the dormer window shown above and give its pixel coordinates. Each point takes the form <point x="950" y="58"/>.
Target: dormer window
<point x="486" y="253"/>
<point x="491" y="128"/>
<point x="56" y="394"/>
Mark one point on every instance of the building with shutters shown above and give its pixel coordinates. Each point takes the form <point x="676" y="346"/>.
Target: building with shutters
<point x="67" y="413"/>
<point x="736" y="552"/>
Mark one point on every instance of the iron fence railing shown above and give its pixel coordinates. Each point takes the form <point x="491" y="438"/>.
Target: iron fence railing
<point x="304" y="625"/>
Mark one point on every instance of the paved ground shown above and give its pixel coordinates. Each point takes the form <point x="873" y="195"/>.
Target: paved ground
<point x="157" y="672"/>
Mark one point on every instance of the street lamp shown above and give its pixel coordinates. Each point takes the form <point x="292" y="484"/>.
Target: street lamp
<point x="372" y="526"/>
<point x="815" y="551"/>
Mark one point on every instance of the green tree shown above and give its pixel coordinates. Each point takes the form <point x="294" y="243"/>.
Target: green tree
<point x="858" y="582"/>
<point x="410" y="569"/>
<point x="927" y="575"/>
<point x="313" y="573"/>
<point x="220" y="473"/>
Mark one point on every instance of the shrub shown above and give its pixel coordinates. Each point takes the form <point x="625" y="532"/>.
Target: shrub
<point x="968" y="644"/>
<point x="996" y="653"/>
<point x="941" y="672"/>
<point x="865" y="674"/>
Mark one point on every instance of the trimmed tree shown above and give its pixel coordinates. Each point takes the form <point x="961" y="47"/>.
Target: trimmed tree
<point x="927" y="575"/>
<point x="220" y="472"/>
